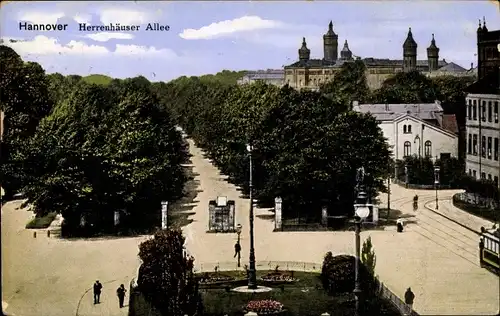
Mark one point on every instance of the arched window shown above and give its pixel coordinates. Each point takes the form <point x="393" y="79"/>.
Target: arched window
<point x="407" y="149"/>
<point x="404" y="129"/>
<point x="409" y="129"/>
<point x="428" y="149"/>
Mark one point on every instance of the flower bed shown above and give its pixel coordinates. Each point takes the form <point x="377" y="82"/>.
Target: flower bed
<point x="215" y="278"/>
<point x="277" y="276"/>
<point x="264" y="307"/>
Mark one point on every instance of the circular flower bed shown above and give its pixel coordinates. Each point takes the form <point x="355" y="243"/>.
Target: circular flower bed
<point x="278" y="277"/>
<point x="264" y="307"/>
<point x="207" y="278"/>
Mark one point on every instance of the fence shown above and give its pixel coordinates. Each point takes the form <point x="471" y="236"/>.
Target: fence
<point x="422" y="186"/>
<point x="394" y="299"/>
<point x="477" y="200"/>
<point x="259" y="265"/>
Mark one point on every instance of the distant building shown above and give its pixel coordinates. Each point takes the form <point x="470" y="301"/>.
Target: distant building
<point x="311" y="73"/>
<point x="483" y="98"/>
<point x="270" y="76"/>
<point x="420" y="130"/>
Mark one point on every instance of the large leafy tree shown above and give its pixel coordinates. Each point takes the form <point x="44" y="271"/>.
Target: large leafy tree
<point x="166" y="275"/>
<point x="104" y="150"/>
<point x="25" y="100"/>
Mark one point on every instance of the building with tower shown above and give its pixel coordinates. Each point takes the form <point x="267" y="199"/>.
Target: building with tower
<point x="309" y="73"/>
<point x="483" y="110"/>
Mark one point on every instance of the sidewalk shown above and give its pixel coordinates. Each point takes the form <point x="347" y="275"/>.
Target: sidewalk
<point x="447" y="209"/>
<point x="108" y="303"/>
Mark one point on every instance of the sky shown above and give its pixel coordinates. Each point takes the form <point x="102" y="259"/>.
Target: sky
<point x="208" y="36"/>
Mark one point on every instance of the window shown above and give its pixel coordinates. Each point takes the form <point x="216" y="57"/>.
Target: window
<point x="495" y="149"/>
<point x="474" y="144"/>
<point x="409" y="129"/>
<point x="474" y="174"/>
<point x="495" y="110"/>
<point x="483" y="175"/>
<point x="469" y="145"/>
<point x="483" y="146"/>
<point x="489" y="177"/>
<point x="490" y="111"/>
<point x="483" y="112"/>
<point x="428" y="149"/>
<point x="495" y="179"/>
<point x="489" y="147"/>
<point x="474" y="111"/>
<point x="469" y="110"/>
<point x="404" y="129"/>
<point x="470" y="172"/>
<point x="407" y="149"/>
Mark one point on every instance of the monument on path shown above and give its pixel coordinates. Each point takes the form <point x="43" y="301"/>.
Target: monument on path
<point x="277" y="213"/>
<point x="221" y="215"/>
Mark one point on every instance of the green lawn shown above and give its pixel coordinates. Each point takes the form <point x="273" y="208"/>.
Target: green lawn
<point x="486" y="213"/>
<point x="305" y="297"/>
<point x="41" y="222"/>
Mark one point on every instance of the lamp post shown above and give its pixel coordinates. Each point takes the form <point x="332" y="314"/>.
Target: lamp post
<point x="252" y="277"/>
<point x="406" y="174"/>
<point x="436" y="181"/>
<point x="238" y="231"/>
<point x="362" y="211"/>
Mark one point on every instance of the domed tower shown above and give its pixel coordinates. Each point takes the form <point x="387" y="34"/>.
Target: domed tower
<point x="433" y="55"/>
<point x="330" y="44"/>
<point x="346" y="53"/>
<point x="409" y="53"/>
<point x="304" y="52"/>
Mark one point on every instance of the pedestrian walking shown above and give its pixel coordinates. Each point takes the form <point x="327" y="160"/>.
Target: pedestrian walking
<point x="409" y="297"/>
<point x="97" y="292"/>
<point x="237" y="249"/>
<point x="399" y="225"/>
<point x="120" y="292"/>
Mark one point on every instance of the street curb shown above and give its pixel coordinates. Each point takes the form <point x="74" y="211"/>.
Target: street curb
<point x="450" y="219"/>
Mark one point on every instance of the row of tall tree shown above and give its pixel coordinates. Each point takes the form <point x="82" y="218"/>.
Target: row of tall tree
<point x="84" y="149"/>
<point x="306" y="147"/>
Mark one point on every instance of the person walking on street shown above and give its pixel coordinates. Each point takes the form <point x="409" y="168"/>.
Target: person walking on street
<point x="97" y="292"/>
<point x="409" y="297"/>
<point x="237" y="249"/>
<point x="120" y="292"/>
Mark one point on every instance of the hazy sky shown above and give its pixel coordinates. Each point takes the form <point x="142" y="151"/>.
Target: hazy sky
<point x="208" y="36"/>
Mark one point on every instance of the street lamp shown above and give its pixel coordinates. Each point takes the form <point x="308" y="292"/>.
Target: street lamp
<point x="238" y="231"/>
<point x="362" y="210"/>
<point x="252" y="277"/>
<point x="436" y="181"/>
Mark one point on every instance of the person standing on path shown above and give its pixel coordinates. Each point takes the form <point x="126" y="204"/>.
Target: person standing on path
<point x="120" y="292"/>
<point x="409" y="297"/>
<point x="97" y="292"/>
<point x="237" y="249"/>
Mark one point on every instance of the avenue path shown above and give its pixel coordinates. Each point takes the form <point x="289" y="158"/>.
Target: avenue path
<point x="436" y="257"/>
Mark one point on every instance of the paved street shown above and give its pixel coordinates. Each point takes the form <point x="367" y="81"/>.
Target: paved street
<point x="434" y="256"/>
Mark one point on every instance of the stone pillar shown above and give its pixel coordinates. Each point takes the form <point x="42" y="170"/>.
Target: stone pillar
<point x="277" y="212"/>
<point x="117" y="218"/>
<point x="324" y="216"/>
<point x="164" y="208"/>
<point x="375" y="214"/>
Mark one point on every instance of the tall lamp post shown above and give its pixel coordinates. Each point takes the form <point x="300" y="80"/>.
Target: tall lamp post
<point x="252" y="277"/>
<point x="436" y="181"/>
<point x="362" y="210"/>
<point x="238" y="231"/>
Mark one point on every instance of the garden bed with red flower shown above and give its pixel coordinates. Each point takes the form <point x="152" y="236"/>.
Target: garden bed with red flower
<point x="264" y="307"/>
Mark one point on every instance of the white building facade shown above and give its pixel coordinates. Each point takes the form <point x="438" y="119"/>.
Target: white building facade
<point x="483" y="136"/>
<point x="414" y="129"/>
<point x="270" y="76"/>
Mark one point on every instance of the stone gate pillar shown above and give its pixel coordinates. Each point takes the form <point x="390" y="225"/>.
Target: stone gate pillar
<point x="277" y="212"/>
<point x="324" y="216"/>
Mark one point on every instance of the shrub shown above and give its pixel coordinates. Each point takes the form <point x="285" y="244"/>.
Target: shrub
<point x="264" y="307"/>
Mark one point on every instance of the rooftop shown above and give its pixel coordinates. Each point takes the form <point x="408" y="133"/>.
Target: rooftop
<point x="387" y="112"/>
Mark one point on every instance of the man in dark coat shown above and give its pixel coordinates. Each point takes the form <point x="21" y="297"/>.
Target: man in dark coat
<point x="409" y="297"/>
<point x="120" y="292"/>
<point x="97" y="292"/>
<point x="237" y="249"/>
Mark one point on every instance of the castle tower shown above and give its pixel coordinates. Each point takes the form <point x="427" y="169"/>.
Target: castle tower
<point x="346" y="53"/>
<point x="330" y="44"/>
<point x="409" y="53"/>
<point x="304" y="52"/>
<point x="433" y="55"/>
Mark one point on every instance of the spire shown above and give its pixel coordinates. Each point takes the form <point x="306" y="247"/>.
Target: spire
<point x="304" y="52"/>
<point x="346" y="53"/>
<point x="484" y="25"/>
<point x="432" y="50"/>
<point x="330" y="32"/>
<point x="479" y="28"/>
<point x="410" y="42"/>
